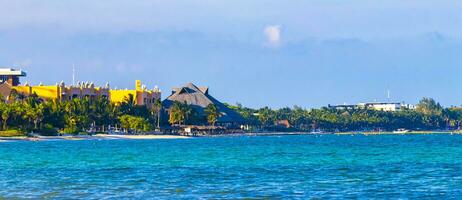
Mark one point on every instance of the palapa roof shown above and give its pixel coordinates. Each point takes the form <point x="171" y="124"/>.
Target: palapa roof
<point x="199" y="98"/>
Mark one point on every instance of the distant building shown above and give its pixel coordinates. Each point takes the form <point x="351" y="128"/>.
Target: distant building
<point x="343" y="107"/>
<point x="283" y="123"/>
<point x="199" y="98"/>
<point x="141" y="95"/>
<point x="382" y="106"/>
<point x="11" y="76"/>
<point x="62" y="92"/>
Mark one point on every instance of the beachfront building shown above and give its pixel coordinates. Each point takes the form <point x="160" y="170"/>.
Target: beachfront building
<point x="62" y="92"/>
<point x="343" y="106"/>
<point x="141" y="95"/>
<point x="11" y="76"/>
<point x="382" y="106"/>
<point x="199" y="98"/>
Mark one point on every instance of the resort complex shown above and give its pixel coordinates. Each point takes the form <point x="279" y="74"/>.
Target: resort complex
<point x="85" y="107"/>
<point x="382" y="106"/>
<point x="62" y="92"/>
<point x="192" y="110"/>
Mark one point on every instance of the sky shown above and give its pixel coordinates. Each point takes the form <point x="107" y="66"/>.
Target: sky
<point x="258" y="53"/>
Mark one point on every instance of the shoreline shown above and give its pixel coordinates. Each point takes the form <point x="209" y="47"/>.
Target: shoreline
<point x="139" y="137"/>
<point x="393" y="133"/>
<point x="156" y="137"/>
<point x="93" y="137"/>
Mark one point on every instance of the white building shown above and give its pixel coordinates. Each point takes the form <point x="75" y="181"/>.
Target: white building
<point x="383" y="106"/>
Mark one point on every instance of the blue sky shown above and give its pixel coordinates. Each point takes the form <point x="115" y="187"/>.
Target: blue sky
<point x="275" y="53"/>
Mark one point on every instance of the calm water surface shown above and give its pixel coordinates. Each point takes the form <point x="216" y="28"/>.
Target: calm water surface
<point x="273" y="167"/>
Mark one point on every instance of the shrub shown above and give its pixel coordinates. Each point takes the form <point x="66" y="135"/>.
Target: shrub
<point x="71" y="130"/>
<point x="12" y="133"/>
<point x="48" y="130"/>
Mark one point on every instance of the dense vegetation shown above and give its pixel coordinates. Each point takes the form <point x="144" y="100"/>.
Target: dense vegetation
<point x="20" y="114"/>
<point x="429" y="115"/>
<point x="28" y="114"/>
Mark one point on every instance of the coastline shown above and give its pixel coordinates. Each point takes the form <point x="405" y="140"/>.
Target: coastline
<point x="140" y="137"/>
<point x="156" y="137"/>
<point x="94" y="137"/>
<point x="393" y="133"/>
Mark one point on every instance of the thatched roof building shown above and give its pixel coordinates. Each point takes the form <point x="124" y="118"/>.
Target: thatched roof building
<point x="199" y="98"/>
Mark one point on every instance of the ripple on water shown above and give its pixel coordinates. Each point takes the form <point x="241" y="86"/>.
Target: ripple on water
<point x="419" y="166"/>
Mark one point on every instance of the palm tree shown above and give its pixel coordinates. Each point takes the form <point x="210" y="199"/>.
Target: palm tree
<point x="6" y="114"/>
<point x="157" y="108"/>
<point x="176" y="114"/>
<point x="212" y="113"/>
<point x="128" y="105"/>
<point x="187" y="112"/>
<point x="13" y="96"/>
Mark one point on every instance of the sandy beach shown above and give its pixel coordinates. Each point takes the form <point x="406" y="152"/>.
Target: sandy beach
<point x="94" y="137"/>
<point x="139" y="137"/>
<point x="393" y="133"/>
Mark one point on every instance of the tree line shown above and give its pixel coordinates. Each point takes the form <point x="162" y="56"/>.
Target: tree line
<point x="428" y="115"/>
<point x="31" y="113"/>
<point x="184" y="114"/>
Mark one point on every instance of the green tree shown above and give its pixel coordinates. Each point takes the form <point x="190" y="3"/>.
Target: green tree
<point x="212" y="114"/>
<point x="266" y="116"/>
<point x="134" y="123"/>
<point x="156" y="110"/>
<point x="176" y="113"/>
<point x="429" y="106"/>
<point x="6" y="112"/>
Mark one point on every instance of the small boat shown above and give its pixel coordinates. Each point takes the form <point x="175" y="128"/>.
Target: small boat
<point x="318" y="131"/>
<point x="401" y="130"/>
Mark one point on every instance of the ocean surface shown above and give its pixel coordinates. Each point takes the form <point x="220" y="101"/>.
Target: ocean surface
<point x="263" y="167"/>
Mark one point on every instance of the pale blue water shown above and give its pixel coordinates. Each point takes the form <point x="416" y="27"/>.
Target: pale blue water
<point x="292" y="167"/>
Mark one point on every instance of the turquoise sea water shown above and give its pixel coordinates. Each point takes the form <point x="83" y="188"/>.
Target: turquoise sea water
<point x="273" y="167"/>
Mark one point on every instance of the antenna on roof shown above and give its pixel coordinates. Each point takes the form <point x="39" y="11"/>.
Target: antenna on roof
<point x="388" y="95"/>
<point x="73" y="74"/>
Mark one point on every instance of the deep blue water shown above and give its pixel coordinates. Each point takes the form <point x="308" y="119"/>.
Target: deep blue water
<point x="273" y="167"/>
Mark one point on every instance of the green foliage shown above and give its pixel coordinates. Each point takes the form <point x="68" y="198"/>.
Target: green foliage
<point x="212" y="113"/>
<point x="428" y="115"/>
<point x="81" y="115"/>
<point x="73" y="116"/>
<point x="48" y="130"/>
<point x="12" y="133"/>
<point x="71" y="130"/>
<point x="429" y="106"/>
<point x="156" y="111"/>
<point x="133" y="123"/>
<point x="180" y="113"/>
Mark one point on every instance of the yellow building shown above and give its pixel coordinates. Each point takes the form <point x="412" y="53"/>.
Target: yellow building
<point x="63" y="92"/>
<point x="9" y="80"/>
<point x="141" y="95"/>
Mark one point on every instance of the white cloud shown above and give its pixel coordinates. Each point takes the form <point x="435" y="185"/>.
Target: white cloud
<point x="21" y="64"/>
<point x="128" y="68"/>
<point x="273" y="35"/>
